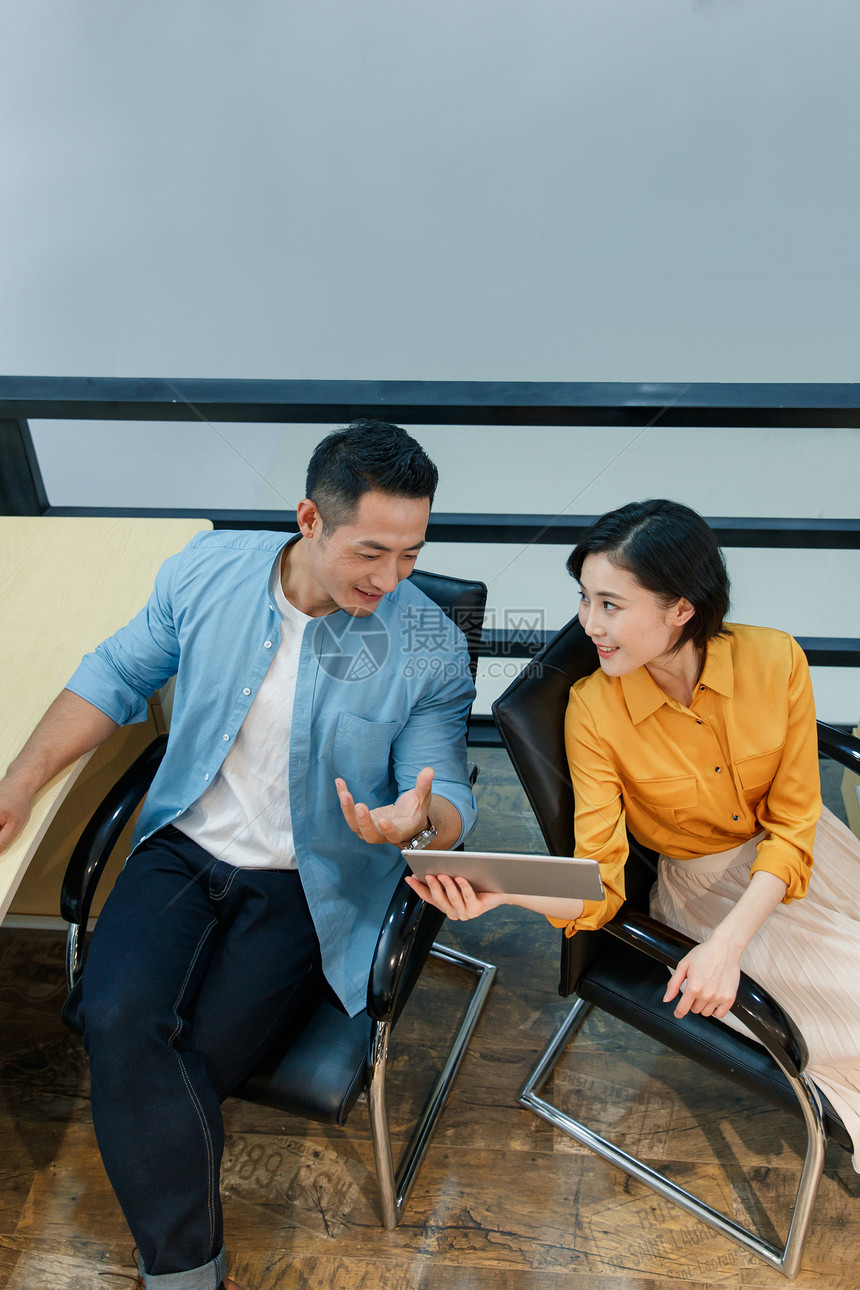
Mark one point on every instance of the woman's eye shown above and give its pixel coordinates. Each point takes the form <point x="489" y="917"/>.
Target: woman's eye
<point x="607" y="604"/>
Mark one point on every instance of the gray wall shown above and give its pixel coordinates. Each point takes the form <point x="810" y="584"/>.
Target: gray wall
<point x="612" y="190"/>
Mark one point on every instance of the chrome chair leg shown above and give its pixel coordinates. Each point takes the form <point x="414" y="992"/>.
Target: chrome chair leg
<point x="785" y="1259"/>
<point x="394" y="1187"/>
<point x="386" y="1181"/>
<point x="74" y="954"/>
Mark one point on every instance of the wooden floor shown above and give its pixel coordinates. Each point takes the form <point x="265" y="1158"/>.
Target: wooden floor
<point x="502" y="1199"/>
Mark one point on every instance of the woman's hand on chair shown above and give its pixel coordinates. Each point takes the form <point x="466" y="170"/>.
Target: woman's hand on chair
<point x="709" y="975"/>
<point x="711" y="971"/>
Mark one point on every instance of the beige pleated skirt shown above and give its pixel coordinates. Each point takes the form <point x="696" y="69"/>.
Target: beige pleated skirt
<point x="807" y="954"/>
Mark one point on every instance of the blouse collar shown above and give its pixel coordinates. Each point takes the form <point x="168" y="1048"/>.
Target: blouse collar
<point x="643" y="695"/>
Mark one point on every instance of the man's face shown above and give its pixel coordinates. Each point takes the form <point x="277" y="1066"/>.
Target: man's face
<point x="355" y="565"/>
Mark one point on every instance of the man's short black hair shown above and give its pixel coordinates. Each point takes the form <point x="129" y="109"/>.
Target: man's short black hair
<point x="364" y="456"/>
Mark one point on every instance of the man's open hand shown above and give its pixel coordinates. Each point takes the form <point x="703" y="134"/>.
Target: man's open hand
<point x="395" y="824"/>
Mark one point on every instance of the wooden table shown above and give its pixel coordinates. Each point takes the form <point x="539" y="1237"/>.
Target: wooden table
<point x="65" y="584"/>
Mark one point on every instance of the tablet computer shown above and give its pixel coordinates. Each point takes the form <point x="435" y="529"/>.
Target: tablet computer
<point x="513" y="874"/>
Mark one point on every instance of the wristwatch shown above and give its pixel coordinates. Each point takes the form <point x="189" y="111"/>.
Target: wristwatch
<point x="422" y="839"/>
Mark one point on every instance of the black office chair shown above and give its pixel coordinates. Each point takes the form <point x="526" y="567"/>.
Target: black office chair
<point x="622" y="967"/>
<point x="320" y="1074"/>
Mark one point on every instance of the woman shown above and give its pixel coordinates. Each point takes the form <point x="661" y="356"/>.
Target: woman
<point x="700" y="736"/>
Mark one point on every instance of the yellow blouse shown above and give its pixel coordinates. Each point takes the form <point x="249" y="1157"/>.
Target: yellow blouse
<point x="692" y="781"/>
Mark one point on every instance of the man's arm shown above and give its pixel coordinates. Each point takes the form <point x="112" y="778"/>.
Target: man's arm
<point x="70" y="728"/>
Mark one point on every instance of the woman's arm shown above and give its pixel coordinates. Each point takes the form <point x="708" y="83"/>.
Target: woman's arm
<point x="789" y="810"/>
<point x="710" y="972"/>
<point x="458" y="900"/>
<point x="600" y="834"/>
<point x="600" y="820"/>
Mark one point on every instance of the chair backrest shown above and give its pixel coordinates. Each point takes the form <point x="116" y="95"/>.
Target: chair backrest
<point x="530" y="719"/>
<point x="463" y="601"/>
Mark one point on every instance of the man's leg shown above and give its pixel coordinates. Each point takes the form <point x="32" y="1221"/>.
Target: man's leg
<point x="264" y="975"/>
<point x="155" y="1108"/>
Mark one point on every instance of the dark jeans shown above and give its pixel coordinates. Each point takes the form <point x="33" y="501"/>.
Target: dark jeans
<point x="195" y="968"/>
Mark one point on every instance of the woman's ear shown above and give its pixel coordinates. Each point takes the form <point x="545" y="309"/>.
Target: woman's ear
<point x="682" y="611"/>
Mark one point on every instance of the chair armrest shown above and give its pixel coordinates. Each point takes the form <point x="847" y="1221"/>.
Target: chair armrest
<point x="408" y="931"/>
<point x="98" y="839"/>
<point x="839" y="746"/>
<point x="758" y="1010"/>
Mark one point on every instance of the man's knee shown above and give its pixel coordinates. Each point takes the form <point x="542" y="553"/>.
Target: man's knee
<point x="123" y="1014"/>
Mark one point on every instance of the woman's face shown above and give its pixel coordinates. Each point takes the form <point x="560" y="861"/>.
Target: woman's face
<point x="628" y="624"/>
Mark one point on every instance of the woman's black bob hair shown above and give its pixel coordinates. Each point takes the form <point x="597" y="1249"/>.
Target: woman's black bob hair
<point x="670" y="551"/>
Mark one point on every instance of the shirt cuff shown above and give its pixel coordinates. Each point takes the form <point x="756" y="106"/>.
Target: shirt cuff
<point x="595" y="914"/>
<point x="465" y="808"/>
<point x="772" y="858"/>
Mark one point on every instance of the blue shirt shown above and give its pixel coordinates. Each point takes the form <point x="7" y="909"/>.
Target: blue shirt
<point x="377" y="699"/>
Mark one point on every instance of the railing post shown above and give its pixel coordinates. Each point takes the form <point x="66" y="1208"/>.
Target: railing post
<point x="22" y="490"/>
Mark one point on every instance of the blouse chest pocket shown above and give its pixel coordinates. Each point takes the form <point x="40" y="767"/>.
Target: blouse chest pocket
<point x="675" y="793"/>
<point x="758" y="772"/>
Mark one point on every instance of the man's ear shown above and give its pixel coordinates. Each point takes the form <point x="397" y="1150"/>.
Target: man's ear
<point x="308" y="518"/>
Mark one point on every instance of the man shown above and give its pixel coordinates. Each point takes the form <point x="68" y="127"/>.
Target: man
<point x="312" y="735"/>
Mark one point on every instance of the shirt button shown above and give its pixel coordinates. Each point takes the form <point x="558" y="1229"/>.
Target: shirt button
<point x="226" y="736"/>
<point x="703" y="687"/>
<point x="268" y="645"/>
<point x="205" y="776"/>
<point x="246" y="690"/>
<point x="178" y="812"/>
<point x="698" y="722"/>
<point x="736" y="817"/>
<point x="718" y="769"/>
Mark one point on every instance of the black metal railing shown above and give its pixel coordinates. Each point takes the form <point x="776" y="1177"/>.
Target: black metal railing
<point x="488" y="403"/>
<point x="475" y="403"/>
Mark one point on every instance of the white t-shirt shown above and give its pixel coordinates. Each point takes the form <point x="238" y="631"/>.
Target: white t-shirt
<point x="243" y="817"/>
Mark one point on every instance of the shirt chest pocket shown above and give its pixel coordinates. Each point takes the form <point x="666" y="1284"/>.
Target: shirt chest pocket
<point x="756" y="773"/>
<point x="361" y="754"/>
<point x="675" y="793"/>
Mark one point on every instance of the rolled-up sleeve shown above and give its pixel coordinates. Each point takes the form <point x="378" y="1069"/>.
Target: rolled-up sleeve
<point x="121" y="673"/>
<point x="600" y="820"/>
<point x="789" y="810"/>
